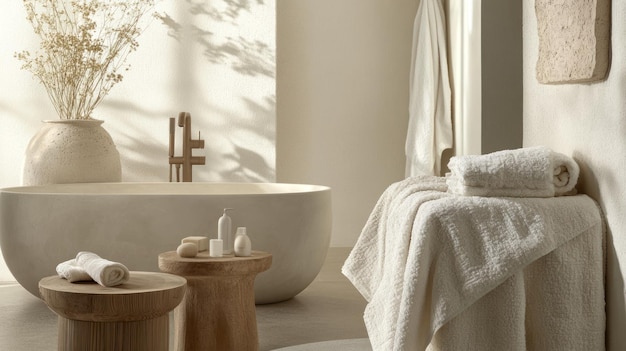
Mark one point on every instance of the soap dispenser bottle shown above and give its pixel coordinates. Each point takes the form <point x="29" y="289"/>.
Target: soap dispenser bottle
<point x="243" y="246"/>
<point x="224" y="232"/>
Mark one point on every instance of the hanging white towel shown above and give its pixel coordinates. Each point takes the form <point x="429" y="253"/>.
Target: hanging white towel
<point x="430" y="118"/>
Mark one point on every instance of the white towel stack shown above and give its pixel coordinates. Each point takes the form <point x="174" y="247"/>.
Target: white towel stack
<point x="527" y="172"/>
<point x="89" y="266"/>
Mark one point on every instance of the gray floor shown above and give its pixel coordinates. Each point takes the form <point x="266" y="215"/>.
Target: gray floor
<point x="329" y="309"/>
<point x="334" y="345"/>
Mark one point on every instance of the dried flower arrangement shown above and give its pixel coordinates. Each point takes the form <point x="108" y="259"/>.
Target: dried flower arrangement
<point x="84" y="46"/>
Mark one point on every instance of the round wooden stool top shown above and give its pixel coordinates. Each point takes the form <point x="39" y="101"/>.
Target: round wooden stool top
<point x="145" y="295"/>
<point x="205" y="265"/>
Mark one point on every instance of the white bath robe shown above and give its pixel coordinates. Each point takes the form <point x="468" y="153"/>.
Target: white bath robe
<point x="430" y="118"/>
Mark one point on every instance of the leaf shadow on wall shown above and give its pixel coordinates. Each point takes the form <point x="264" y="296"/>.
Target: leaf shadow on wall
<point x="237" y="154"/>
<point x="143" y="157"/>
<point x="144" y="151"/>
<point x="248" y="57"/>
<point x="251" y="58"/>
<point x="249" y="164"/>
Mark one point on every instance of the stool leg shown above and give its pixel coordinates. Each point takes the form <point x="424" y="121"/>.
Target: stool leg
<point x="217" y="313"/>
<point x="145" y="335"/>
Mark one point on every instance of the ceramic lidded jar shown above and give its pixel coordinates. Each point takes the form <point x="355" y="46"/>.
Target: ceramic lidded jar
<point x="71" y="151"/>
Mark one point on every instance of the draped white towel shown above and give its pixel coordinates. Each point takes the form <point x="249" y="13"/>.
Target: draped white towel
<point x="430" y="117"/>
<point x="527" y="172"/>
<point x="89" y="266"/>
<point x="425" y="256"/>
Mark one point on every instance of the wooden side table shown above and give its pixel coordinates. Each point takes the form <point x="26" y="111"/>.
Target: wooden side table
<point x="130" y="317"/>
<point x="218" y="311"/>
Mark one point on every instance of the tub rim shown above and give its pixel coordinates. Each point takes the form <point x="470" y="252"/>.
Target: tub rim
<point x="171" y="189"/>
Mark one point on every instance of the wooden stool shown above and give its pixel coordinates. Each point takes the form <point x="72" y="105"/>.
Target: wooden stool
<point x="218" y="311"/>
<point x="132" y="316"/>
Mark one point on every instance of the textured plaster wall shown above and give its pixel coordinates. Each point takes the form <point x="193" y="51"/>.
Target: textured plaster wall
<point x="588" y="121"/>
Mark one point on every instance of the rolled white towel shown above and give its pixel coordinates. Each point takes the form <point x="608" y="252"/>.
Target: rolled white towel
<point x="103" y="271"/>
<point x="526" y="172"/>
<point x="73" y="272"/>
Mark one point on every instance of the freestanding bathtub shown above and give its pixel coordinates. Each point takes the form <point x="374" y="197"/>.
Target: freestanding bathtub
<point x="132" y="223"/>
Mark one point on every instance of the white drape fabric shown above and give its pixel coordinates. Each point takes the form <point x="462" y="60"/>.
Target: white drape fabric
<point x="446" y="272"/>
<point x="430" y="117"/>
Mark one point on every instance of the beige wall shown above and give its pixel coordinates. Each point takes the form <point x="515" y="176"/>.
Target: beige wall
<point x="501" y="78"/>
<point x="342" y="100"/>
<point x="588" y="121"/>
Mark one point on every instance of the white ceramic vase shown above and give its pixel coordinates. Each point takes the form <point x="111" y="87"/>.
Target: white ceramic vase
<point x="71" y="151"/>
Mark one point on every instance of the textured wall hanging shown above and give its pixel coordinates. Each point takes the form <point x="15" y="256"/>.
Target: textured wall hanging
<point x="574" y="40"/>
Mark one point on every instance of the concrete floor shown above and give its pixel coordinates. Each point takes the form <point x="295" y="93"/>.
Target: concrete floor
<point x="329" y="309"/>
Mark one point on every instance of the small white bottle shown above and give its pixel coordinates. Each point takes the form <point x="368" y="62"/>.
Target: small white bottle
<point x="243" y="246"/>
<point x="224" y="232"/>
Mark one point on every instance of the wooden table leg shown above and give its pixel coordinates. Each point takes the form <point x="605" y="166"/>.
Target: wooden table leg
<point x="145" y="335"/>
<point x="217" y="313"/>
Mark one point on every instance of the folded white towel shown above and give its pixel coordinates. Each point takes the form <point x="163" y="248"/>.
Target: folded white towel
<point x="72" y="271"/>
<point x="104" y="272"/>
<point x="527" y="172"/>
<point x="89" y="266"/>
